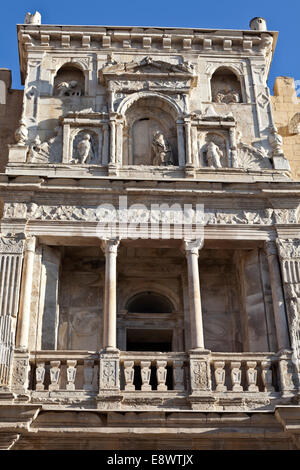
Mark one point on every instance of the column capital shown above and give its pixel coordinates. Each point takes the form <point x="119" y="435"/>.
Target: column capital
<point x="30" y="243"/>
<point x="193" y="246"/>
<point x="110" y="245"/>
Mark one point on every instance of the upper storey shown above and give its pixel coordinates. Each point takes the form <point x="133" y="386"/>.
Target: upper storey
<point x="146" y="102"/>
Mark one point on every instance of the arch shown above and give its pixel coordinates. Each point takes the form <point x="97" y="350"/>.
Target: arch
<point x="167" y="103"/>
<point x="226" y="85"/>
<point x="150" y="286"/>
<point x="153" y="116"/>
<point x="149" y="302"/>
<point x="69" y="80"/>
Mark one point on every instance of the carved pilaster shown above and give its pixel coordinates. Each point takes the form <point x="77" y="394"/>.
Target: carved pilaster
<point x="289" y="256"/>
<point x="11" y="255"/>
<point x="109" y="372"/>
<point x="277" y="296"/>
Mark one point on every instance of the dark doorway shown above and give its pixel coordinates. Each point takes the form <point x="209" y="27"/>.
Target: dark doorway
<point x="149" y="340"/>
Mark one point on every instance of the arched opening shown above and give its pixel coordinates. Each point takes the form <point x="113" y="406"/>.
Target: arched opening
<point x="149" y="337"/>
<point x="69" y="81"/>
<point x="225" y="87"/>
<point x="149" y="302"/>
<point x="150" y="136"/>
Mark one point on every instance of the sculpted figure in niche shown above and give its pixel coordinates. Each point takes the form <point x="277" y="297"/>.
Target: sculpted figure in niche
<point x="213" y="155"/>
<point x="71" y="88"/>
<point x="161" y="149"/>
<point x="227" y="95"/>
<point x="84" y="150"/>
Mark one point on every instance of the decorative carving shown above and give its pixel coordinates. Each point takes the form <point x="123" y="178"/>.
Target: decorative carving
<point x="220" y="376"/>
<point x="161" y="374"/>
<point x="71" y="374"/>
<point x="252" y="158"/>
<point x="251" y="374"/>
<point x="54" y="375"/>
<point x="11" y="245"/>
<point x="48" y="151"/>
<point x="129" y="375"/>
<point x="109" y="372"/>
<point x="40" y="376"/>
<point x="199" y="375"/>
<point x="289" y="248"/>
<point x="236" y="376"/>
<point x="145" y="375"/>
<point x="161" y="150"/>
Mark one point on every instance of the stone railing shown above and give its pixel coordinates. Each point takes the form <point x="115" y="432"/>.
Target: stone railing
<point x="152" y="371"/>
<point x="195" y="378"/>
<point x="64" y="371"/>
<point x="244" y="372"/>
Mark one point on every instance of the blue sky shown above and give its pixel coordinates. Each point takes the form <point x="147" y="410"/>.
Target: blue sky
<point x="282" y="16"/>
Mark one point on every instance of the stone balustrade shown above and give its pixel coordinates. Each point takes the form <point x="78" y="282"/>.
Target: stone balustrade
<point x="244" y="372"/>
<point x="64" y="371"/>
<point x="154" y="371"/>
<point x="188" y="375"/>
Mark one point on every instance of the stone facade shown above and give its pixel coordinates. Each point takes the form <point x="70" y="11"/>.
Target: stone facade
<point x="121" y="327"/>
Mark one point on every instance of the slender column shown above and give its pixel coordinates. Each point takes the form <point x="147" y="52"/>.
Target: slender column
<point x="112" y="158"/>
<point x="105" y="153"/>
<point x="110" y="248"/>
<point x="26" y="289"/>
<point x="192" y="253"/>
<point x="277" y="295"/>
<point x="119" y="142"/>
<point x="188" y="152"/>
<point x="180" y="143"/>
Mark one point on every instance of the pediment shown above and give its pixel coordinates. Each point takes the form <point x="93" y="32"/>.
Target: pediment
<point x="147" y="68"/>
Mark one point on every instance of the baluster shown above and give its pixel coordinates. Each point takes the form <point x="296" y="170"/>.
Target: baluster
<point x="71" y="374"/>
<point x="178" y="376"/>
<point x="88" y="374"/>
<point x="220" y="376"/>
<point x="40" y="376"/>
<point x="252" y="376"/>
<point x="54" y="375"/>
<point x="161" y="374"/>
<point x="236" y="376"/>
<point x="145" y="375"/>
<point x="129" y="375"/>
<point x="267" y="376"/>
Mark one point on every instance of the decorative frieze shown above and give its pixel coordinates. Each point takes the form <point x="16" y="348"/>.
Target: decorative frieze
<point x="109" y="371"/>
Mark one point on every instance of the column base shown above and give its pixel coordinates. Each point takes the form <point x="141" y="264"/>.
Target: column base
<point x="189" y="171"/>
<point x="112" y="169"/>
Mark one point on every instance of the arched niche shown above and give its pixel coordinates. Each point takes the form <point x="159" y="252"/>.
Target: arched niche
<point x="150" y="135"/>
<point x="226" y="86"/>
<point x="69" y="81"/>
<point x="149" y="302"/>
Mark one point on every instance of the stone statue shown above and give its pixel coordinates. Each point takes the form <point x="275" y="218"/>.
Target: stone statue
<point x="71" y="88"/>
<point x="21" y="133"/>
<point x="275" y="140"/>
<point x="38" y="152"/>
<point x="161" y="149"/>
<point x="214" y="155"/>
<point x="84" y="150"/>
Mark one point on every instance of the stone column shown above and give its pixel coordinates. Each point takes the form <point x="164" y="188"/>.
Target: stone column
<point x="188" y="152"/>
<point x="119" y="143"/>
<point x="277" y="295"/>
<point x="11" y="254"/>
<point x="105" y="153"/>
<point x="25" y="301"/>
<point x="110" y="248"/>
<point x="112" y="157"/>
<point x="192" y="253"/>
<point x="233" y="146"/>
<point x="180" y="143"/>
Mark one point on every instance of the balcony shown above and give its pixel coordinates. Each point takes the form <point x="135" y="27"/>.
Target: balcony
<point x="151" y="380"/>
